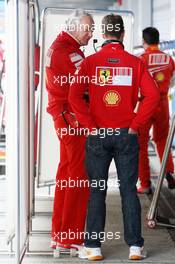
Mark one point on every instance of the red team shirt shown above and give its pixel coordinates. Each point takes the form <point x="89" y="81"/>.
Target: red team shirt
<point x="114" y="79"/>
<point x="61" y="63"/>
<point x="161" y="67"/>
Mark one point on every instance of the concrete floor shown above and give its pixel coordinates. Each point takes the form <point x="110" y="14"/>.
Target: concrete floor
<point x="158" y="242"/>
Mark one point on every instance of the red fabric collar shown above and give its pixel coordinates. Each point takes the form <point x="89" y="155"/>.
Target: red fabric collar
<point x="152" y="48"/>
<point x="64" y="36"/>
<point x="113" y="46"/>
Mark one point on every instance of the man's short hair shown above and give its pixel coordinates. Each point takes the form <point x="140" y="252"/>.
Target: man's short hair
<point x="74" y="19"/>
<point x="151" y="35"/>
<point x="112" y="25"/>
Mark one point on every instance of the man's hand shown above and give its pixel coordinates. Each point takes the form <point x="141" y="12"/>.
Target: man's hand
<point x="132" y="131"/>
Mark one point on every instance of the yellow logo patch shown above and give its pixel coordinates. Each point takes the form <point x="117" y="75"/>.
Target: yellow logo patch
<point x="104" y="75"/>
<point x="159" y="77"/>
<point x="111" y="98"/>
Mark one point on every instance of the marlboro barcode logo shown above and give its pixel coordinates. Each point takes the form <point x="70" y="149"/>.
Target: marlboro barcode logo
<point x="158" y="59"/>
<point x="121" y="76"/>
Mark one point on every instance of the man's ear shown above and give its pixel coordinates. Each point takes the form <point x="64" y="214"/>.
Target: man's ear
<point x="122" y="36"/>
<point x="144" y="44"/>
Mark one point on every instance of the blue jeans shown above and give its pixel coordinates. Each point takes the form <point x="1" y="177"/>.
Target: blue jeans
<point x="100" y="151"/>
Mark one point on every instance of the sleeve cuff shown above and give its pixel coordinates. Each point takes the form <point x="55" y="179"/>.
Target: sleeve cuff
<point x="134" y="126"/>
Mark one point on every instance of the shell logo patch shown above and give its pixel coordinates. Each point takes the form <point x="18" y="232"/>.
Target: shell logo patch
<point x="104" y="75"/>
<point x="159" y="77"/>
<point x="111" y="98"/>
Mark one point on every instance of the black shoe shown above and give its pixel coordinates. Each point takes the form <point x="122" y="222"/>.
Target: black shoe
<point x="170" y="180"/>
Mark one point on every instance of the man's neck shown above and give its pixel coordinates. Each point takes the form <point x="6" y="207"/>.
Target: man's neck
<point x="112" y="38"/>
<point x="152" y="47"/>
<point x="73" y="37"/>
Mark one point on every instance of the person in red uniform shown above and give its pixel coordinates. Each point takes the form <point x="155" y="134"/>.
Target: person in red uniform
<point x="113" y="80"/>
<point x="70" y="203"/>
<point x="161" y="67"/>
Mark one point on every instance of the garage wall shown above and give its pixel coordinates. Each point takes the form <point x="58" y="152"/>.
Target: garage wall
<point x="159" y="13"/>
<point x="90" y="4"/>
<point x="141" y="10"/>
<point x="172" y="33"/>
<point x="162" y="18"/>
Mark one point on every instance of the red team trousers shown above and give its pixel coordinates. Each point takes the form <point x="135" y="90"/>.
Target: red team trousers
<point x="160" y="123"/>
<point x="70" y="202"/>
<point x="71" y="191"/>
<point x="161" y="67"/>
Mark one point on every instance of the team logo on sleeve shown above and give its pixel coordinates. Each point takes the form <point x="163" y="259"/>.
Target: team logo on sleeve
<point x="116" y="76"/>
<point x="111" y="98"/>
<point x="158" y="59"/>
<point x="159" y="77"/>
<point x="76" y="59"/>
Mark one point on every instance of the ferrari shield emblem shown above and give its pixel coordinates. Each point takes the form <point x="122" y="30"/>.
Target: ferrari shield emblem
<point x="104" y="75"/>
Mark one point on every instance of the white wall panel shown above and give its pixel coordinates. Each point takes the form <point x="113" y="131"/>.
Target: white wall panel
<point x="17" y="124"/>
<point x="172" y="15"/>
<point x="142" y="16"/>
<point x="163" y="18"/>
<point x="10" y="120"/>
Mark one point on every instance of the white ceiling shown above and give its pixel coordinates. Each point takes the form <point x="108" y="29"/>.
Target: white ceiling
<point x="85" y="4"/>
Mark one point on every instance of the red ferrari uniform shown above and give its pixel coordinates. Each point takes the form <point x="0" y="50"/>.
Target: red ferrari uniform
<point x="114" y="78"/>
<point x="161" y="67"/>
<point x="70" y="203"/>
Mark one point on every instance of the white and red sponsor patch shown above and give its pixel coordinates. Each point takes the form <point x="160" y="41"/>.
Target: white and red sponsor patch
<point x="76" y="59"/>
<point x="158" y="59"/>
<point x="77" y="64"/>
<point x="121" y="76"/>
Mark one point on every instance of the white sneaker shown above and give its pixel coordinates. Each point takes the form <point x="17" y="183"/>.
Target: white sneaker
<point x="136" y="253"/>
<point x="90" y="253"/>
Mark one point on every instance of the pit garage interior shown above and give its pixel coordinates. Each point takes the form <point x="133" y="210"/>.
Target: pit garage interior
<point x="27" y="176"/>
